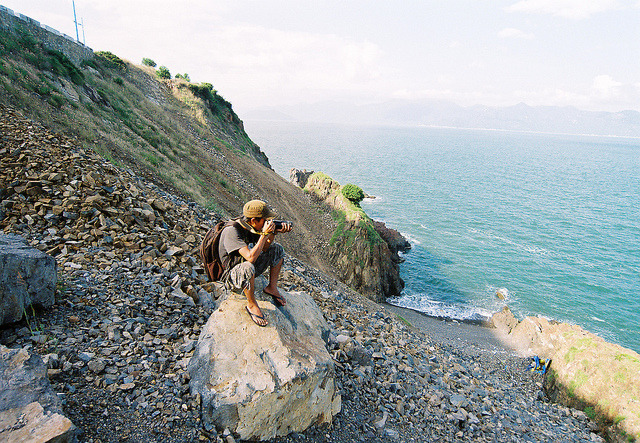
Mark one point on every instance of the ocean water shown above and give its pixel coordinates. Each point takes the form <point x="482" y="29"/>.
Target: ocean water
<point x="552" y="221"/>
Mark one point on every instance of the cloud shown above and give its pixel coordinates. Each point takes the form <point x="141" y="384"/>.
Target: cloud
<point x="315" y="56"/>
<point x="571" y="9"/>
<point x="515" y="33"/>
<point x="605" y="87"/>
<point x="265" y="66"/>
<point x="604" y="94"/>
<point x="607" y="91"/>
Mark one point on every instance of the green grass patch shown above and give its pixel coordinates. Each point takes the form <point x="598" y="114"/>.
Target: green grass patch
<point x="581" y="345"/>
<point x="35" y="54"/>
<point x="580" y="379"/>
<point x="626" y="357"/>
<point x="213" y="205"/>
<point x="111" y="60"/>
<point x="404" y="320"/>
<point x="56" y="100"/>
<point x="342" y="227"/>
<point x="151" y="158"/>
<point x="372" y="235"/>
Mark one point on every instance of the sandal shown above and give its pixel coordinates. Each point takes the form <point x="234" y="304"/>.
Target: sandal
<point x="278" y="300"/>
<point x="256" y="318"/>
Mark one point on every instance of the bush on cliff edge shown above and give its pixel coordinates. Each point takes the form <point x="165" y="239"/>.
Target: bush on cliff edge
<point x="353" y="193"/>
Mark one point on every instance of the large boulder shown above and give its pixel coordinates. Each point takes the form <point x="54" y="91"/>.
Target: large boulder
<point x="29" y="409"/>
<point x="504" y="321"/>
<point x="27" y="277"/>
<point x="263" y="382"/>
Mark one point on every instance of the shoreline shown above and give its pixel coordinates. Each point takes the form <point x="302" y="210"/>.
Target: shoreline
<point x="469" y="336"/>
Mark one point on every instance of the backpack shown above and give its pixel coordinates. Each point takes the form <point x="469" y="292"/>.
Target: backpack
<point x="213" y="265"/>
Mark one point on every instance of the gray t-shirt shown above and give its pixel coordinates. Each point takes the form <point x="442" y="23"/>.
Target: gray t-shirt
<point x="232" y="239"/>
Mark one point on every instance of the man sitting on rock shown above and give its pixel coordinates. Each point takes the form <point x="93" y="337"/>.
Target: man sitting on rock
<point x="249" y="245"/>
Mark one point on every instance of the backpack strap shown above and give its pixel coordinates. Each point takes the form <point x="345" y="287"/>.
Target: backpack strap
<point x="247" y="226"/>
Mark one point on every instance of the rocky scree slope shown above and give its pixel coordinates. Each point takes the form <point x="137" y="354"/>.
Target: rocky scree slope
<point x="181" y="136"/>
<point x="132" y="303"/>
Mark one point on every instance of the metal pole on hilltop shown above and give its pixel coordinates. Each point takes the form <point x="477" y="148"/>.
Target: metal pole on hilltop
<point x="75" y="20"/>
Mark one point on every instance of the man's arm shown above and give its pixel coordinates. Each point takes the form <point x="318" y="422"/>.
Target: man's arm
<point x="251" y="255"/>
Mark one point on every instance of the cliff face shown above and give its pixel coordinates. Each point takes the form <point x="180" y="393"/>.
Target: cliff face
<point x="366" y="265"/>
<point x="361" y="257"/>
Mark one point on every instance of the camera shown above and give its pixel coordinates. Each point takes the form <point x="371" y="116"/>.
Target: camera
<point x="279" y="223"/>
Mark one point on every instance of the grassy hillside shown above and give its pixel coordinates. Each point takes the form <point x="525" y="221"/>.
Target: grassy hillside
<point x="183" y="136"/>
<point x="168" y="130"/>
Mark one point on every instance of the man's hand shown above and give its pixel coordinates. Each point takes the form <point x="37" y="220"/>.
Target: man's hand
<point x="269" y="227"/>
<point x="286" y="227"/>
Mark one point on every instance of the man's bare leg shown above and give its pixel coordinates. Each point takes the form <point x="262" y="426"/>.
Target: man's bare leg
<point x="272" y="287"/>
<point x="252" y="305"/>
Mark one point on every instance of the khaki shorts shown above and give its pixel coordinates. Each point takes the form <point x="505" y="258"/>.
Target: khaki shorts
<point x="240" y="275"/>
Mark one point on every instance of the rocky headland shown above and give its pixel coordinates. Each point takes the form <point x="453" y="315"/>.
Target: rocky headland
<point x="362" y="258"/>
<point x="585" y="371"/>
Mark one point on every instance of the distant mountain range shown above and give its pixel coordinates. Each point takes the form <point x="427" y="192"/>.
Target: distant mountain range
<point x="520" y="117"/>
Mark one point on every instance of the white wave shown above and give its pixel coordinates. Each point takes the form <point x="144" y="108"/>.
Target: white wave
<point x="498" y="292"/>
<point x="531" y="249"/>
<point x="438" y="309"/>
<point x="536" y="250"/>
<point x="413" y="240"/>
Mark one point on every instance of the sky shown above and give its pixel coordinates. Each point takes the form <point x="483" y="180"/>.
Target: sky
<point x="258" y="53"/>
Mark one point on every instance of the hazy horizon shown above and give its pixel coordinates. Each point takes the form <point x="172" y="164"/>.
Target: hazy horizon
<point x="283" y="53"/>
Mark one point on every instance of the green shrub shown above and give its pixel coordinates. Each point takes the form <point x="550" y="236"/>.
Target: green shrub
<point x="151" y="137"/>
<point x="151" y="158"/>
<point x="42" y="90"/>
<point x="184" y="76"/>
<point x="27" y="41"/>
<point x="8" y="43"/>
<point x="61" y="65"/>
<point x="203" y="90"/>
<point x="56" y="100"/>
<point x="214" y="101"/>
<point x="148" y="62"/>
<point x="590" y="412"/>
<point x="163" y="72"/>
<point x="353" y="193"/>
<point x="118" y="81"/>
<point x="40" y="57"/>
<point x="112" y="59"/>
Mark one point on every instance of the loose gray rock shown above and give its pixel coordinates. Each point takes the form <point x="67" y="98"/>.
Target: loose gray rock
<point x="29" y="409"/>
<point x="27" y="277"/>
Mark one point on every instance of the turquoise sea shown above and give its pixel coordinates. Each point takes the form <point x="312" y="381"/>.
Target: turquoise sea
<point x="553" y="221"/>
